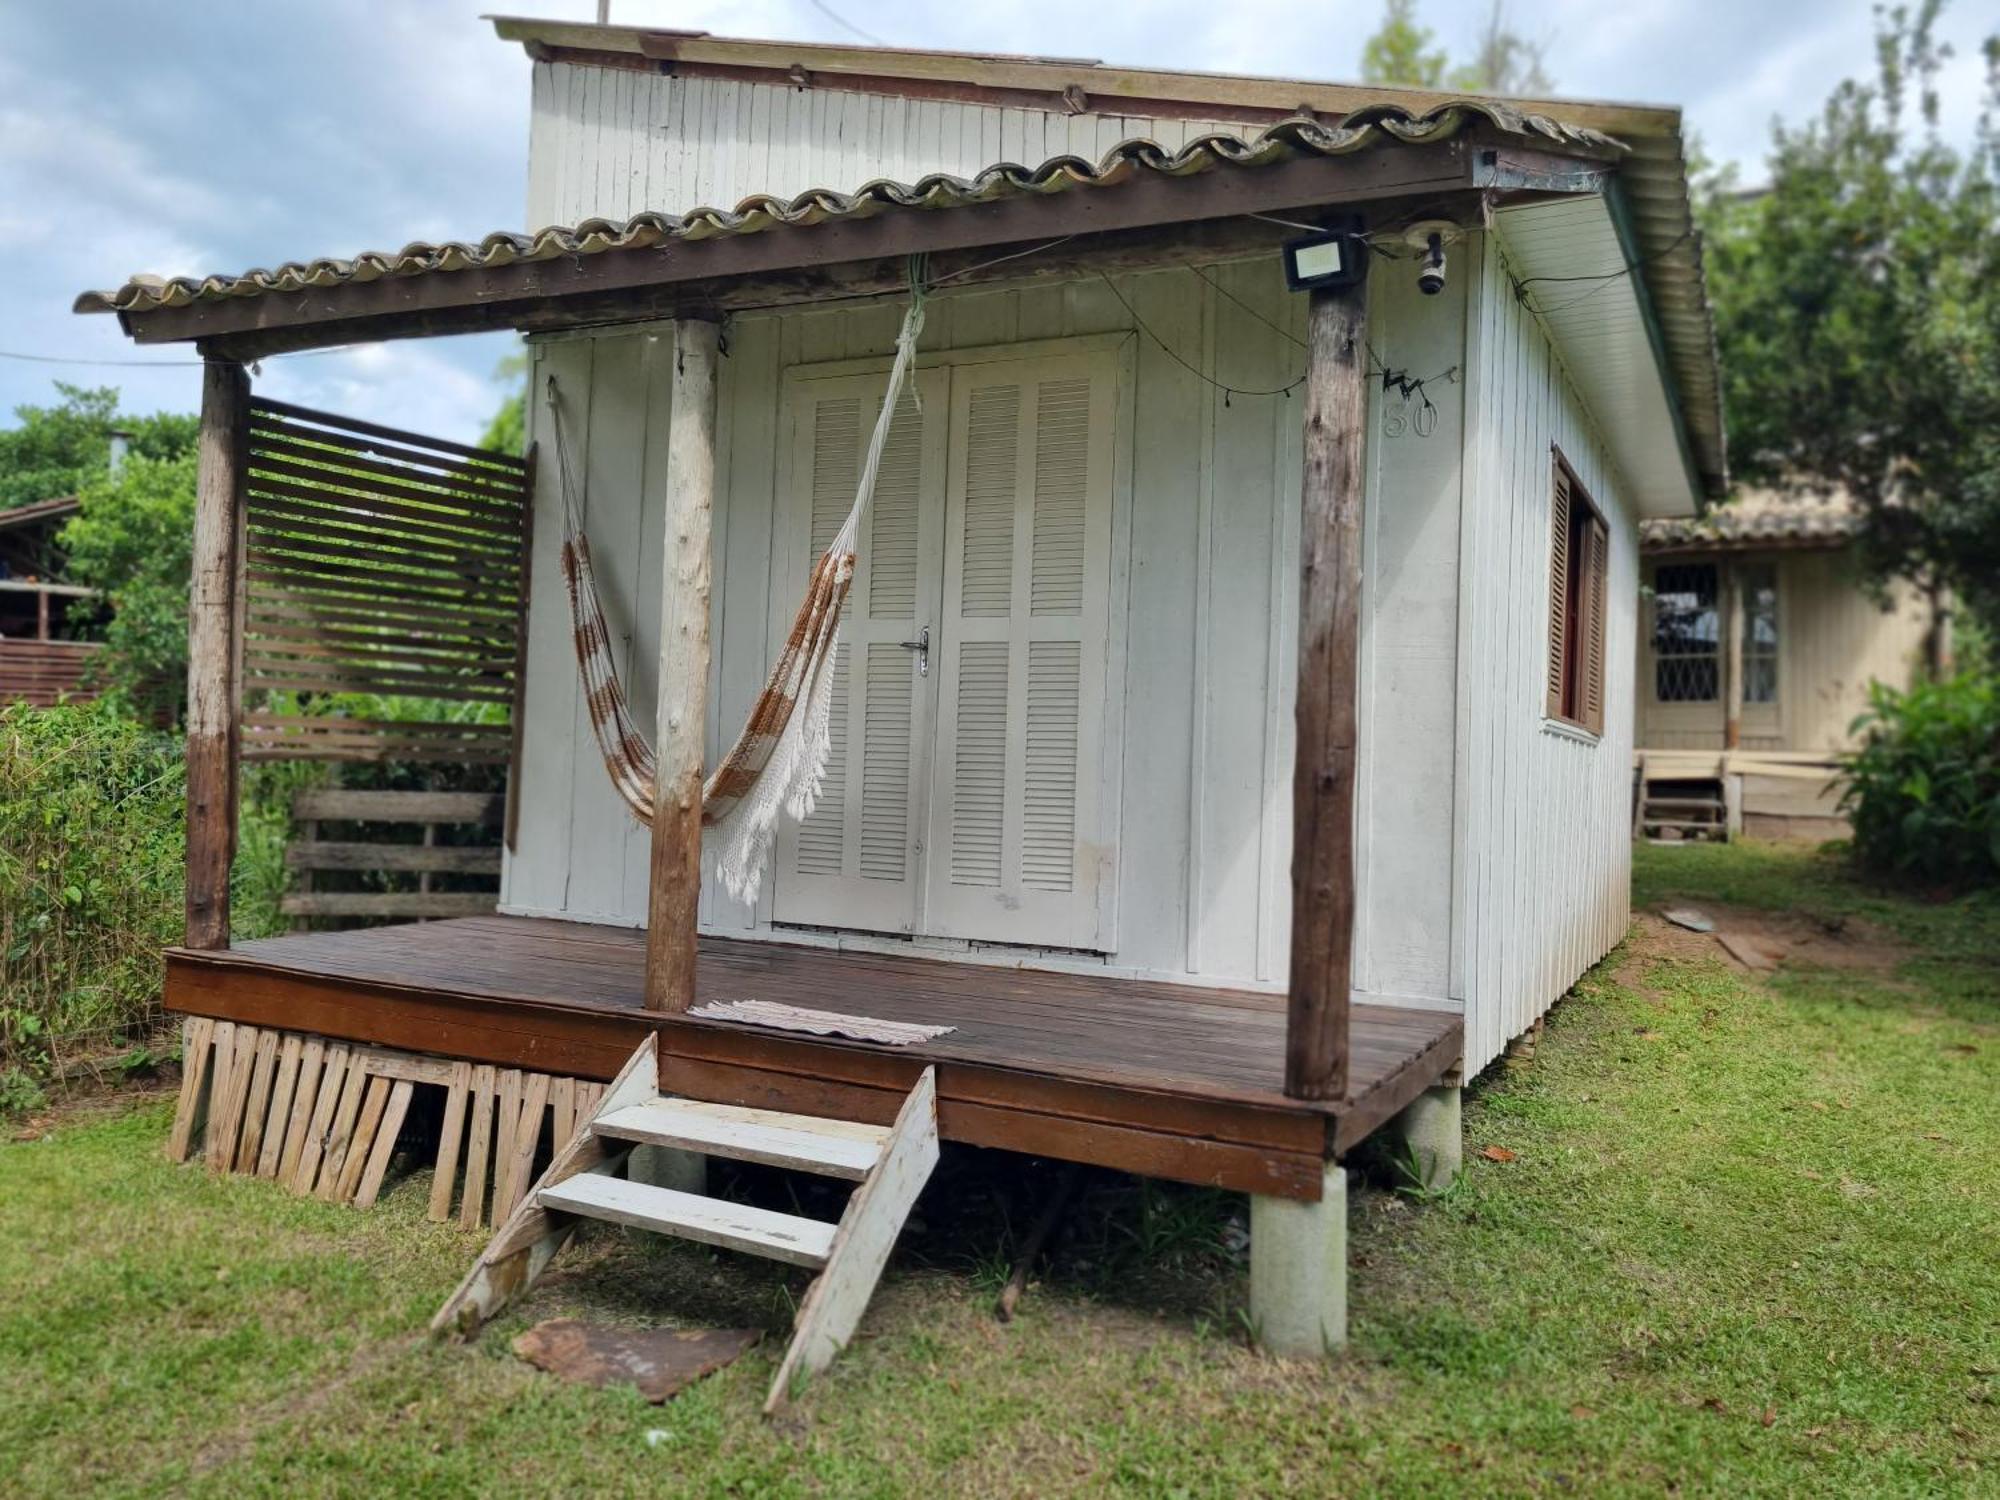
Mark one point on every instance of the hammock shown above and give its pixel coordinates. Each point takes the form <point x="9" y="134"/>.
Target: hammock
<point x="780" y="757"/>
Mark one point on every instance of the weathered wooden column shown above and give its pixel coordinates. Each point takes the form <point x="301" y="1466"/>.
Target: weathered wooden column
<point x="683" y="690"/>
<point x="1336" y="407"/>
<point x="214" y="654"/>
<point x="1732" y="660"/>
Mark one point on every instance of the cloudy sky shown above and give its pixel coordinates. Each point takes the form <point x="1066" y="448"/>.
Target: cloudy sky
<point x="224" y="134"/>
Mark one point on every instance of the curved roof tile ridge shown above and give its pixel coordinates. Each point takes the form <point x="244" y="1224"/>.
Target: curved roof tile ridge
<point x="1285" y="140"/>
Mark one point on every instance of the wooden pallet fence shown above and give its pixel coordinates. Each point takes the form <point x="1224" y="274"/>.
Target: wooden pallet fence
<point x="323" y="1118"/>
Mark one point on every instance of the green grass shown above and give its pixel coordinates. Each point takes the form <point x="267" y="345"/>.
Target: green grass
<point x="1749" y="1242"/>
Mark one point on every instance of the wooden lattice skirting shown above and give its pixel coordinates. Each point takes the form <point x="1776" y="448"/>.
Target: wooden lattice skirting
<point x="322" y="1117"/>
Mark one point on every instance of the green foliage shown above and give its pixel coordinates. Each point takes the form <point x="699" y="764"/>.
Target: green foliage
<point x="508" y="431"/>
<point x="91" y="858"/>
<point x="1503" y="61"/>
<point x="134" y="539"/>
<point x="58" y="450"/>
<point x="1858" y="312"/>
<point x="1400" y="51"/>
<point x="1924" y="796"/>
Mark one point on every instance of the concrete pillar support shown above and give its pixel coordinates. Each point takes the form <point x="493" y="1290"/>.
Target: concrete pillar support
<point x="1298" y="1271"/>
<point x="1431" y="1137"/>
<point x="665" y="1167"/>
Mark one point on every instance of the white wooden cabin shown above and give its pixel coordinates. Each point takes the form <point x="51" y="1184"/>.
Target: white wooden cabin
<point x="1136" y="473"/>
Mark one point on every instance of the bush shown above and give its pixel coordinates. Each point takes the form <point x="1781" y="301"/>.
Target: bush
<point x="1924" y="796"/>
<point x="91" y="858"/>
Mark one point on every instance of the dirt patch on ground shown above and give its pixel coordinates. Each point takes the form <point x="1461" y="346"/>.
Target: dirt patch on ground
<point x="1757" y="941"/>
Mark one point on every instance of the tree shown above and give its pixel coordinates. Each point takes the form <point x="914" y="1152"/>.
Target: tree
<point x="1504" y="62"/>
<point x="508" y="431"/>
<point x="56" y="450"/>
<point x="1858" y="313"/>
<point x="133" y="539"/>
<point x="1400" y="51"/>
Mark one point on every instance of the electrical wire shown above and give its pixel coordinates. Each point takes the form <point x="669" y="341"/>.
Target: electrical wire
<point x="1175" y="355"/>
<point x="841" y="21"/>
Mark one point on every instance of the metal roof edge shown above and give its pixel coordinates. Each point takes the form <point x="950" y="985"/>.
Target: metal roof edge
<point x="1002" y="69"/>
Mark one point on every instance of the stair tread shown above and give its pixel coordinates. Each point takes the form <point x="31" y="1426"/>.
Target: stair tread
<point x="691" y="1216"/>
<point x="833" y="1148"/>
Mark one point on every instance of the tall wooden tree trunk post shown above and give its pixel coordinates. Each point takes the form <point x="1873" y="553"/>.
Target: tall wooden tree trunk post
<point x="1298" y="1251"/>
<point x="1336" y="406"/>
<point x="683" y="691"/>
<point x="214" y="655"/>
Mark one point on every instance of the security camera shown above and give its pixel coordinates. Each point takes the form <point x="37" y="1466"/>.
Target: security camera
<point x="1430" y="279"/>
<point x="1428" y="237"/>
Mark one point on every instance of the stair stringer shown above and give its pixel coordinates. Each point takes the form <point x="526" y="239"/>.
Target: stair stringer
<point x="868" y="1231"/>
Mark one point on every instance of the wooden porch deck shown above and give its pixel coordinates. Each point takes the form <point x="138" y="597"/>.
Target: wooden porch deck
<point x="1166" y="1080"/>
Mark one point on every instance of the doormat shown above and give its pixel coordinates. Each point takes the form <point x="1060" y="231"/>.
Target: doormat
<point x="780" y="1017"/>
<point x="661" y="1362"/>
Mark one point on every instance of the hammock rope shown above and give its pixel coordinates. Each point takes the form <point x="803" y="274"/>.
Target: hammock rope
<point x="779" y="759"/>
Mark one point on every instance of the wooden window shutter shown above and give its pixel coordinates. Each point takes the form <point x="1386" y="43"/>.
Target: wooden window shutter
<point x="1559" y="565"/>
<point x="1597" y="560"/>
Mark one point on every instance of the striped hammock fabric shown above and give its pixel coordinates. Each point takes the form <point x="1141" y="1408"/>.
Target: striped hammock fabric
<point x="779" y="759"/>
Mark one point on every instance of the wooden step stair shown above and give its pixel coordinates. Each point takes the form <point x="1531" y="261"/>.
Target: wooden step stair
<point x="1679" y="808"/>
<point x="693" y="1216"/>
<point x="890" y="1164"/>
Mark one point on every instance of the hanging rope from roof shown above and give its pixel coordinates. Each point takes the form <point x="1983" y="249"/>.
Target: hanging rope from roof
<point x="779" y="759"/>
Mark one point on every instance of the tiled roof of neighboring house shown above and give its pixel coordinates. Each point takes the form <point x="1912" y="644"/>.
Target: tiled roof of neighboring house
<point x="1758" y="518"/>
<point x="1284" y="141"/>
<point x="39" y="510"/>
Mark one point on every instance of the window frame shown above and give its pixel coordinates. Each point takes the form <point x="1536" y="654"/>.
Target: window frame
<point x="1575" y="684"/>
<point x="1713" y="656"/>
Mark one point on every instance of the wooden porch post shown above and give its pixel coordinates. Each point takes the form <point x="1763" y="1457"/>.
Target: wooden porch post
<point x="213" y="656"/>
<point x="1329" y="625"/>
<point x="683" y="692"/>
<point x="1732" y="661"/>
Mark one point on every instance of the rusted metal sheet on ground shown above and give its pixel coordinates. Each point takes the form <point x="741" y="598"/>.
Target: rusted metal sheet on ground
<point x="661" y="1362"/>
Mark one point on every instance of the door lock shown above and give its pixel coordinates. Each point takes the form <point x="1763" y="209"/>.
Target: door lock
<point x="922" y="646"/>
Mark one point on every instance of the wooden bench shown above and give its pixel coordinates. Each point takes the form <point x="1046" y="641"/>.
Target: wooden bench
<point x="309" y="855"/>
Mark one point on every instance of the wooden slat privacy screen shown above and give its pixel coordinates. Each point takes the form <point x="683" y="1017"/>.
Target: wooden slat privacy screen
<point x="381" y="562"/>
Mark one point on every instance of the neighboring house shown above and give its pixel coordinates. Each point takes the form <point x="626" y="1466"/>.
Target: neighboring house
<point x="1231" y="740"/>
<point x="1757" y="648"/>
<point x="45" y="625"/>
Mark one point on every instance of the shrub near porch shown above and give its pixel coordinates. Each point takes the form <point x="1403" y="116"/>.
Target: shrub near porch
<point x="1743" y="1244"/>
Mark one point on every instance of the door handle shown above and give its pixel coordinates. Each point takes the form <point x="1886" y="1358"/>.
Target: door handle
<point x="922" y="646"/>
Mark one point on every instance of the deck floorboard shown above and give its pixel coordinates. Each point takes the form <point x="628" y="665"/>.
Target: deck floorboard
<point x="1201" y="1066"/>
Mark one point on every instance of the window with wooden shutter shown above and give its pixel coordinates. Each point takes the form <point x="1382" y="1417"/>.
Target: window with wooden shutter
<point x="1579" y="574"/>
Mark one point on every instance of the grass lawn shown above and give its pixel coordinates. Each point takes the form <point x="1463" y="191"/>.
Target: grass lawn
<point x="1748" y="1241"/>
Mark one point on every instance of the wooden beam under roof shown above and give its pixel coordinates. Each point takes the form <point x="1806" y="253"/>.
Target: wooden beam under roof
<point x="616" y="285"/>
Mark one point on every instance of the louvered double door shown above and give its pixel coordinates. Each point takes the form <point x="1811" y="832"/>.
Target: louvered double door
<point x="962" y="798"/>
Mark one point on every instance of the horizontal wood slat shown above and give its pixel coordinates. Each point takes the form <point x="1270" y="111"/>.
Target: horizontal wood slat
<point x="379" y="562"/>
<point x="41" y="673"/>
<point x="402" y="905"/>
<point x="336" y="806"/>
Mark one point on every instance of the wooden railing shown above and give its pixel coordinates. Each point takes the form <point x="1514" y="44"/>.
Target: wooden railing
<point x="405" y="873"/>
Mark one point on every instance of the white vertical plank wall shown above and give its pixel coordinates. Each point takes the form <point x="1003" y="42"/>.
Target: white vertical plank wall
<point x="612" y="142"/>
<point x="1543" y="884"/>
<point x="1191" y="677"/>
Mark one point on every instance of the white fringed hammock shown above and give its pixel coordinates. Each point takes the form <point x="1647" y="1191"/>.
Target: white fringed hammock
<point x="778" y="760"/>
